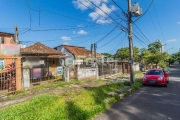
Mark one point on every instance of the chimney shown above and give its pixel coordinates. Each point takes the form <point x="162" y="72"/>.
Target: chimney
<point x="16" y="34"/>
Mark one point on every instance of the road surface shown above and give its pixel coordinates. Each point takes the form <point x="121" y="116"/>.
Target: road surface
<point x="149" y="103"/>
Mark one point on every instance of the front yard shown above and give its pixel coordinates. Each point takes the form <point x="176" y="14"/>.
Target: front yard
<point x="80" y="104"/>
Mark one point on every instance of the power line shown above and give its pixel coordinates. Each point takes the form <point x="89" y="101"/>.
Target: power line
<point x="145" y="11"/>
<point x="92" y="10"/>
<point x="142" y="32"/>
<point x="118" y="6"/>
<point x="53" y="12"/>
<point x="139" y="39"/>
<point x="108" y="33"/>
<point x="117" y="14"/>
<point x="110" y="40"/>
<point x="117" y="45"/>
<point x="58" y="29"/>
<point x="104" y="12"/>
<point x="60" y="39"/>
<point x="152" y="21"/>
<point x="146" y="30"/>
<point x="158" y="21"/>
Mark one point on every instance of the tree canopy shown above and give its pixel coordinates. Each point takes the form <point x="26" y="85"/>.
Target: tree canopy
<point x="123" y="53"/>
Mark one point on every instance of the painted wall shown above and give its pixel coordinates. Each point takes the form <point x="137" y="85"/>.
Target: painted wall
<point x="136" y="67"/>
<point x="87" y="73"/>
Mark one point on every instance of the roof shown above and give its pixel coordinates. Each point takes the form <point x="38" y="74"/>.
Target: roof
<point x="5" y="33"/>
<point x="39" y="48"/>
<point x="79" y="51"/>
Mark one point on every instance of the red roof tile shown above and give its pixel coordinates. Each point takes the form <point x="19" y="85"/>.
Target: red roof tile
<point x="39" y="48"/>
<point x="79" y="51"/>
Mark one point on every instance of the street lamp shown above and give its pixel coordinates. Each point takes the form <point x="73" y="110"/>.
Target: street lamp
<point x="169" y="49"/>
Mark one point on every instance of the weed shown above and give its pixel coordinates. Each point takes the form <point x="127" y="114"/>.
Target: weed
<point x="127" y="83"/>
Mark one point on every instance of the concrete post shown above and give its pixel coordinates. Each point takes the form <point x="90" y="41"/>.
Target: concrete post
<point x="97" y="72"/>
<point x="78" y="67"/>
<point x="66" y="74"/>
<point x="26" y="78"/>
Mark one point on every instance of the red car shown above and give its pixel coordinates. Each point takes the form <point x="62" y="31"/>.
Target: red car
<point x="156" y="77"/>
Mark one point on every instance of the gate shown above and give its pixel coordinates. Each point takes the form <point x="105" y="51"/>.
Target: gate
<point x="9" y="72"/>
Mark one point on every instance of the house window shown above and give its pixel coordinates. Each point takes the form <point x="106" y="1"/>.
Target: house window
<point x="53" y="62"/>
<point x="2" y="40"/>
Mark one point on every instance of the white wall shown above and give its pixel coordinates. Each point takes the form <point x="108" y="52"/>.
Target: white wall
<point x="136" y="67"/>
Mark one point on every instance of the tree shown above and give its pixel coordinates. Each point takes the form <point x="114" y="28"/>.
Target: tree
<point x="154" y="47"/>
<point x="123" y="53"/>
<point x="108" y="55"/>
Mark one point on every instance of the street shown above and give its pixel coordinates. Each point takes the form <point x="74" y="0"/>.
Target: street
<point x="149" y="103"/>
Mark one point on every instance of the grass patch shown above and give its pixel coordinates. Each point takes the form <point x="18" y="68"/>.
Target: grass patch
<point x="138" y="72"/>
<point x="17" y="94"/>
<point x="137" y="84"/>
<point x="127" y="83"/>
<point x="81" y="105"/>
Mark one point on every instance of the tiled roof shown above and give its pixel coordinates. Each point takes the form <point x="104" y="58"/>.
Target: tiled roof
<point x="39" y="48"/>
<point x="5" y="33"/>
<point x="79" y="51"/>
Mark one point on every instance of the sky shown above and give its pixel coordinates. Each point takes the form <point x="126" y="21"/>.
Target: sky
<point x="85" y="22"/>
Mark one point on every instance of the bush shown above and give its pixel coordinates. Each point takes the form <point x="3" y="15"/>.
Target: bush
<point x="127" y="83"/>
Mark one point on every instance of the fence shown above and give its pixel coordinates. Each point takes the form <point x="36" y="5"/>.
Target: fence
<point x="85" y="72"/>
<point x="106" y="69"/>
<point x="38" y="75"/>
<point x="10" y="75"/>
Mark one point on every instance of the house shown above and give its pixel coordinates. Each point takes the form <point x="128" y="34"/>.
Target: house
<point x="41" y="62"/>
<point x="78" y="54"/>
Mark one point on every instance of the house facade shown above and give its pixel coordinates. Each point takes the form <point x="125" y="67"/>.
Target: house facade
<point x="78" y="54"/>
<point x="40" y="63"/>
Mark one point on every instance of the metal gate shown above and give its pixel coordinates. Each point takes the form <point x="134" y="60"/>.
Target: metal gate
<point x="7" y="76"/>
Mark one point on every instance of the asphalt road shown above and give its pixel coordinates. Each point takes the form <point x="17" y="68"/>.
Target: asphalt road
<point x="149" y="103"/>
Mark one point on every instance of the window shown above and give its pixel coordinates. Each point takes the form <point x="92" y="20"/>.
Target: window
<point x="2" y="40"/>
<point x="154" y="72"/>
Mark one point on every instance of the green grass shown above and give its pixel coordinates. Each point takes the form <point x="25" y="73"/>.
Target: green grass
<point x="127" y="83"/>
<point x="81" y="105"/>
<point x="138" y="72"/>
<point x="137" y="84"/>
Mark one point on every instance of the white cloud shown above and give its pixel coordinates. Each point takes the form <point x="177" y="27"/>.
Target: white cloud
<point x="82" y="32"/>
<point x="178" y="23"/>
<point x="172" y="40"/>
<point x="103" y="21"/>
<point x="98" y="15"/>
<point x="66" y="38"/>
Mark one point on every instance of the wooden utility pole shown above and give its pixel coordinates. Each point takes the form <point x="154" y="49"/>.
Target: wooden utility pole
<point x="131" y="60"/>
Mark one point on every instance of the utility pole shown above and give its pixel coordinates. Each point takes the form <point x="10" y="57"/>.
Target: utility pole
<point x="91" y="51"/>
<point x="16" y="34"/>
<point x="131" y="60"/>
<point x="94" y="51"/>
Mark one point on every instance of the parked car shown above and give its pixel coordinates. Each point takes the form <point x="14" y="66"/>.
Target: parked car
<point x="156" y="77"/>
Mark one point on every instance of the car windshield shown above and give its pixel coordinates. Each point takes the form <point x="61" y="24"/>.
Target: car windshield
<point x="154" y="72"/>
